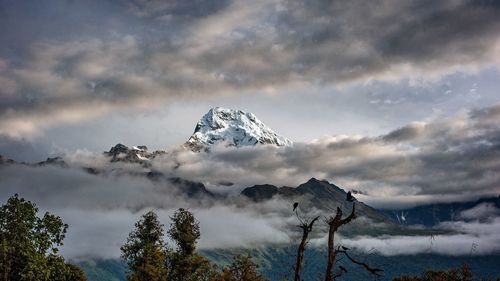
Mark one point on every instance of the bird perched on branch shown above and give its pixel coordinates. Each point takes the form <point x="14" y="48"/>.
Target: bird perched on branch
<point x="295" y="205"/>
<point x="350" y="198"/>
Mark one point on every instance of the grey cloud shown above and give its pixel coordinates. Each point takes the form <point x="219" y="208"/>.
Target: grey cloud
<point x="350" y="39"/>
<point x="483" y="235"/>
<point x="53" y="187"/>
<point x="235" y="47"/>
<point x="102" y="209"/>
<point x="19" y="149"/>
<point x="454" y="158"/>
<point x="488" y="115"/>
<point x="100" y="233"/>
<point x="445" y="159"/>
<point x="405" y="133"/>
<point x="481" y="212"/>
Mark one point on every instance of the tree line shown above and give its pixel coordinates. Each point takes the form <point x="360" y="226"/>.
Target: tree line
<point x="29" y="250"/>
<point x="148" y="257"/>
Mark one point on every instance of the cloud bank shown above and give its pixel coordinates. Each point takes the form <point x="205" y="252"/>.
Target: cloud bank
<point x="445" y="159"/>
<point x="474" y="238"/>
<point x="101" y="211"/>
<point x="454" y="158"/>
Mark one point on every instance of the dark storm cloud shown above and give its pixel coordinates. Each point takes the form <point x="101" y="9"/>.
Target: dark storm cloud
<point x="351" y="39"/>
<point x="135" y="53"/>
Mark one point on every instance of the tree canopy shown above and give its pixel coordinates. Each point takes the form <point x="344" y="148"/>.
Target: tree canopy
<point x="145" y="252"/>
<point x="242" y="269"/>
<point x="148" y="258"/>
<point x="185" y="231"/>
<point x="29" y="244"/>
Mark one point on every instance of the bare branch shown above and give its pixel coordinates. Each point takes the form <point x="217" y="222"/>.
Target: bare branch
<point x="306" y="229"/>
<point x="372" y="270"/>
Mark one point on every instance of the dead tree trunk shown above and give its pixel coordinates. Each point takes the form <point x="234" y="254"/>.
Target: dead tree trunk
<point x="306" y="229"/>
<point x="334" y="224"/>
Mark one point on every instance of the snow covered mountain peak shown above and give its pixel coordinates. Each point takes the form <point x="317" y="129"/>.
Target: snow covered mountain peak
<point x="235" y="127"/>
<point x="139" y="154"/>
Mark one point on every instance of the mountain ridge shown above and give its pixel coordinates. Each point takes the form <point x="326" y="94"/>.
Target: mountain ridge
<point x="233" y="127"/>
<point x="320" y="194"/>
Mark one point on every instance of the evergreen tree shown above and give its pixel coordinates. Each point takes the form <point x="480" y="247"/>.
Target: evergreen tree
<point x="185" y="231"/>
<point x="29" y="244"/>
<point x="145" y="251"/>
<point x="185" y="263"/>
<point x="242" y="269"/>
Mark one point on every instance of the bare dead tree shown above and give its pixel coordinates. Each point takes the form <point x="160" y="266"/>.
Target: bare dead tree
<point x="334" y="223"/>
<point x="306" y="229"/>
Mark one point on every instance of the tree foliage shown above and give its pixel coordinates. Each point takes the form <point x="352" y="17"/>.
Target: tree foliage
<point x="145" y="251"/>
<point x="192" y="268"/>
<point x="29" y="244"/>
<point x="185" y="231"/>
<point x="462" y="273"/>
<point x="148" y="257"/>
<point x="242" y="269"/>
<point x="185" y="263"/>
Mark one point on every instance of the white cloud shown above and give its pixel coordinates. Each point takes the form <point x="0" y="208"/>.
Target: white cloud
<point x="480" y="212"/>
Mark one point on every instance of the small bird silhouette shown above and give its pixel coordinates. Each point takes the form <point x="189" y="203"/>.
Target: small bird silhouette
<point x="295" y="205"/>
<point x="342" y="268"/>
<point x="350" y="198"/>
<point x="345" y="248"/>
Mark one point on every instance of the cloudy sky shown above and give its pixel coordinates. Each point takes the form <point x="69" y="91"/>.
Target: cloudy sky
<point x="144" y="71"/>
<point x="397" y="99"/>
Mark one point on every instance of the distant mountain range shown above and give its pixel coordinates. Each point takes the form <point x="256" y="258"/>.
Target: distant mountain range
<point x="238" y="128"/>
<point x="433" y="214"/>
<point x="218" y="126"/>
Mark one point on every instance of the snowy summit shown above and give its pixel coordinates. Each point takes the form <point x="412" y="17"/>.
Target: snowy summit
<point x="234" y="127"/>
